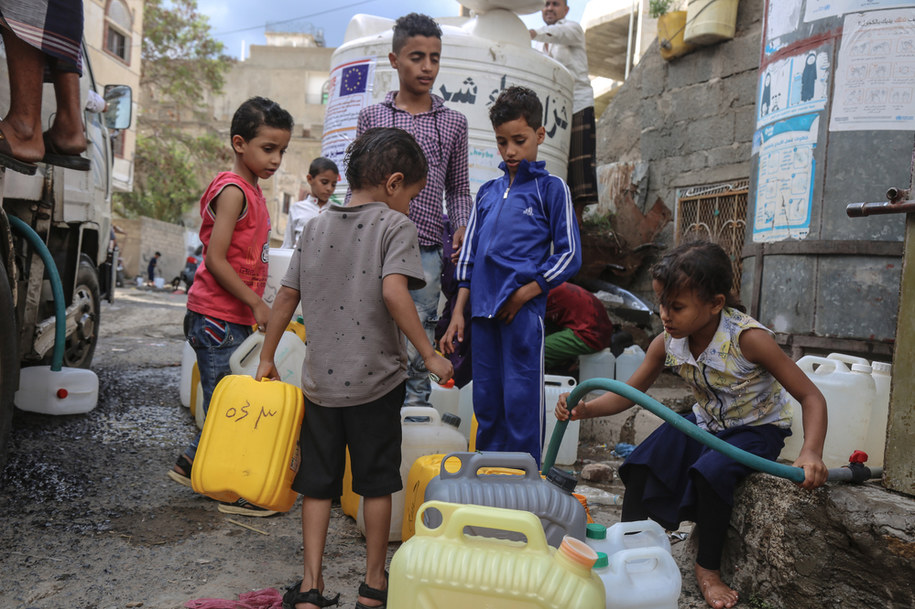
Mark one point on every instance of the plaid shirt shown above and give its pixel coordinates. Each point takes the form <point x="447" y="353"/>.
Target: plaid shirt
<point x="442" y="134"/>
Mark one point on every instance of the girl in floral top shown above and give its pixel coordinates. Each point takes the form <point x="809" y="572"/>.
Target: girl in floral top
<point x="741" y="380"/>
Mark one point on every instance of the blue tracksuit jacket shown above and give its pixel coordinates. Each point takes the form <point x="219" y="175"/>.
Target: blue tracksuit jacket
<point x="515" y="235"/>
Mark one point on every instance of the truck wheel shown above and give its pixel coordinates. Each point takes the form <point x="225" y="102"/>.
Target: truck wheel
<point x="81" y="344"/>
<point x="9" y="361"/>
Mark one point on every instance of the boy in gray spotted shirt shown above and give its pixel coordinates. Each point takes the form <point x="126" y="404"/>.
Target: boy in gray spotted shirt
<point x="353" y="268"/>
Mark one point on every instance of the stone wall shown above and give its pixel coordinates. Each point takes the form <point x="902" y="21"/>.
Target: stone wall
<point x="689" y="120"/>
<point x="842" y="546"/>
<point x="143" y="237"/>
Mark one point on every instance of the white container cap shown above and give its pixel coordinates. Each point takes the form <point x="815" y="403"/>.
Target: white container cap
<point x="861" y="368"/>
<point x="881" y="367"/>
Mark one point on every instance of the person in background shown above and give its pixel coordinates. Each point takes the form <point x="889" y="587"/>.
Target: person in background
<point x="441" y="132"/>
<point x="355" y="366"/>
<point x="151" y="268"/>
<point x="322" y="178"/>
<point x="39" y="34"/>
<point x="522" y="241"/>
<point x="564" y="41"/>
<point x="741" y="380"/>
<point x="576" y="324"/>
<point x="226" y="298"/>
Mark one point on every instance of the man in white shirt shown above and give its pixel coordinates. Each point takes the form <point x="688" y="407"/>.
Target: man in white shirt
<point x="564" y="41"/>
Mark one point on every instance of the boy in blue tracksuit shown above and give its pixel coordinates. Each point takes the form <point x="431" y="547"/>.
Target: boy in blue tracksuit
<point x="521" y="241"/>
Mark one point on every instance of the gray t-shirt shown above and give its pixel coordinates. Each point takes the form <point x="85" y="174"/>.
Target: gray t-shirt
<point x="356" y="353"/>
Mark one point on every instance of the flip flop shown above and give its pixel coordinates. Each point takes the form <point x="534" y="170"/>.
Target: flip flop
<point x="52" y="156"/>
<point x="10" y="162"/>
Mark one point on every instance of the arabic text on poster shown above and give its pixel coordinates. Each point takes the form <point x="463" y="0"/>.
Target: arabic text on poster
<point x="821" y="9"/>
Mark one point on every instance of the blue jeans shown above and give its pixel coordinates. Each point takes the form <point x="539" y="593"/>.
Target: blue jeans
<point x="214" y="341"/>
<point x="426" y="300"/>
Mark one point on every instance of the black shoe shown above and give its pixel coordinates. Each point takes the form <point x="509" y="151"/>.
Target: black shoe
<point x="244" y="508"/>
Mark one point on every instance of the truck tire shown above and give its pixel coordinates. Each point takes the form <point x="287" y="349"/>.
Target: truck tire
<point x="81" y="344"/>
<point x="9" y="362"/>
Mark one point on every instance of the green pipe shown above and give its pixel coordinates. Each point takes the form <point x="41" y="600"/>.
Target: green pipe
<point x="795" y="474"/>
<point x="60" y="311"/>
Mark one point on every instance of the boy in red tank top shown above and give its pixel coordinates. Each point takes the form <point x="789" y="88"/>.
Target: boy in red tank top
<point x="225" y="300"/>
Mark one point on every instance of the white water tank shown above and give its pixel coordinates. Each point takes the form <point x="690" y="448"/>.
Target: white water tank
<point x="481" y="56"/>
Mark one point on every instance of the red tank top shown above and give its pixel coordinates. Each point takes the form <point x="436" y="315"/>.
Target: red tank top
<point x="248" y="252"/>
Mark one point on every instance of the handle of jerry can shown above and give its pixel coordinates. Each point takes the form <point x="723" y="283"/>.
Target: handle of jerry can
<point x="795" y="474"/>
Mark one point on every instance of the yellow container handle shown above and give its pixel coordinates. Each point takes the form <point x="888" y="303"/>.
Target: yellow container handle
<point x="457" y="516"/>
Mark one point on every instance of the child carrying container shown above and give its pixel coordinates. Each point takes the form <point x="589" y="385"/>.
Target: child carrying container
<point x="740" y="379"/>
<point x="356" y="363"/>
<point x="522" y="240"/>
<point x="225" y="300"/>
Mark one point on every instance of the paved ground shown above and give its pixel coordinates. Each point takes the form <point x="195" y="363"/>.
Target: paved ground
<point x="92" y="521"/>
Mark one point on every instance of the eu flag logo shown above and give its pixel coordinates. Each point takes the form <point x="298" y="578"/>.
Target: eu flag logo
<point x="354" y="80"/>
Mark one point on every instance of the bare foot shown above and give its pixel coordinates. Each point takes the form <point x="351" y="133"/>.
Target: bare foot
<point x="25" y="143"/>
<point x="717" y="594"/>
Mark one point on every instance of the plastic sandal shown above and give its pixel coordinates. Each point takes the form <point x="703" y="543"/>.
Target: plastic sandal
<point x="185" y="464"/>
<point x="374" y="594"/>
<point x="294" y="596"/>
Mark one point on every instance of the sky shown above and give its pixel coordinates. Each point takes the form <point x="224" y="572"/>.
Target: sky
<point x="242" y="22"/>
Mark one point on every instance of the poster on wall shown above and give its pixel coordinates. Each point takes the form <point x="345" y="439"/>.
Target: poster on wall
<point x="821" y="9"/>
<point x="782" y="18"/>
<point x="785" y="177"/>
<point x="350" y="91"/>
<point x="793" y="86"/>
<point x="875" y="76"/>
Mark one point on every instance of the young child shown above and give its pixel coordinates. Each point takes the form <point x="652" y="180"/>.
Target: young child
<point x="441" y="132"/>
<point x="522" y="240"/>
<point x="225" y="301"/>
<point x="322" y="180"/>
<point x="740" y="379"/>
<point x="355" y="367"/>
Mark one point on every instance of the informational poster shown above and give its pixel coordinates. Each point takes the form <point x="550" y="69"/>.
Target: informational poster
<point x="782" y="18"/>
<point x="350" y="91"/>
<point x="820" y="9"/>
<point x="793" y="86"/>
<point x="875" y="76"/>
<point x="784" y="187"/>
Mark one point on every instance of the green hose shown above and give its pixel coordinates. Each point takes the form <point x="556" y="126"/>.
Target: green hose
<point x="57" y="289"/>
<point x="795" y="474"/>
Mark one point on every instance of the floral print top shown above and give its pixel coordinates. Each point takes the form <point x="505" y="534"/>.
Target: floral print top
<point x="730" y="391"/>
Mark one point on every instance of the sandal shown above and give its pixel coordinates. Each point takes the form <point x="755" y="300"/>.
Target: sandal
<point x="185" y="464"/>
<point x="53" y="156"/>
<point x="374" y="594"/>
<point x="10" y="162"/>
<point x="294" y="596"/>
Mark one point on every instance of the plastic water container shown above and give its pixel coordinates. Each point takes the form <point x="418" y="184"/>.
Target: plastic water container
<point x="850" y="395"/>
<point x="140" y="281"/>
<point x="444" y="567"/>
<point x="602" y="569"/>
<point x="465" y="409"/>
<point x="560" y="513"/>
<point x="188" y="359"/>
<point x="424" y="433"/>
<point x="424" y="470"/>
<point x="600" y="365"/>
<point x="875" y="444"/>
<point x="277" y="265"/>
<point x="710" y="21"/>
<point x="288" y="357"/>
<point x="249" y="446"/>
<point x="596" y="537"/>
<point x="636" y="534"/>
<point x="446" y="398"/>
<point x="628" y="362"/>
<point x="642" y="578"/>
<point x="196" y="406"/>
<point x="64" y="391"/>
<point x="553" y="385"/>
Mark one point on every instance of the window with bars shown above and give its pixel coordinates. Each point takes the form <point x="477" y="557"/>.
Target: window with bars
<point x="714" y="213"/>
<point x="118" y="25"/>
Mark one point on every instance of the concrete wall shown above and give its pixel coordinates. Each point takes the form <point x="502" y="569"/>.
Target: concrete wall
<point x="690" y="120"/>
<point x="143" y="237"/>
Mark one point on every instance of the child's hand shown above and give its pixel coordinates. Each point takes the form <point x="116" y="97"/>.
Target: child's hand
<point x="815" y="471"/>
<point x="562" y="409"/>
<point x="267" y="370"/>
<point x="454" y="332"/>
<point x="261" y="312"/>
<point x="517" y="300"/>
<point x="439" y="366"/>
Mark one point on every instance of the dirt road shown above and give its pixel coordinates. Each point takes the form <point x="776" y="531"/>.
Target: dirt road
<point x="90" y="519"/>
